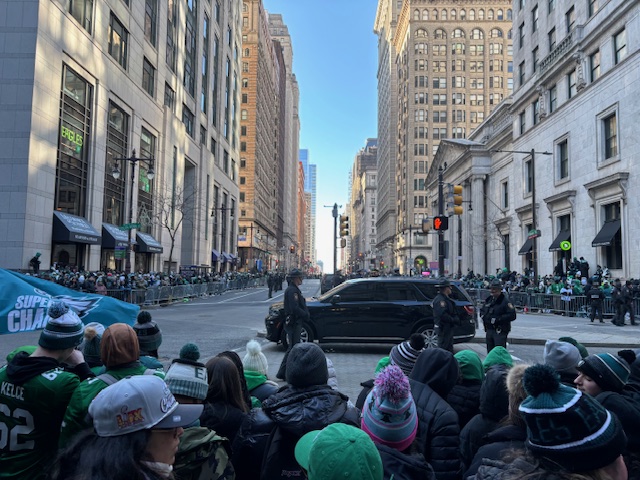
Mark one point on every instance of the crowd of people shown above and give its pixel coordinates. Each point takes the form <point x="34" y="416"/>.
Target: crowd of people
<point x="90" y="402"/>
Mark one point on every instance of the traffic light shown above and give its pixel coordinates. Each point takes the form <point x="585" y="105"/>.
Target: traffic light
<point x="454" y="200"/>
<point x="292" y="249"/>
<point x="440" y="222"/>
<point x="344" y="226"/>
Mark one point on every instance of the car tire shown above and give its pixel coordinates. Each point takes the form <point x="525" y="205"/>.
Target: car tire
<point x="306" y="335"/>
<point x="430" y="336"/>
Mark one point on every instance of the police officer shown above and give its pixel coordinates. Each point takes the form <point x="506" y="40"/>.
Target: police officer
<point x="497" y="315"/>
<point x="445" y="315"/>
<point x="627" y="302"/>
<point x="271" y="281"/>
<point x="618" y="303"/>
<point x="295" y="313"/>
<point x="596" y="297"/>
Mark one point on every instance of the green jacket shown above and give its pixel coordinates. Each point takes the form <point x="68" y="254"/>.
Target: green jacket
<point x="75" y="418"/>
<point x="203" y="455"/>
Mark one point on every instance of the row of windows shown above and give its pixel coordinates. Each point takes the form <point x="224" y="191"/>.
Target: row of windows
<point x="441" y="34"/>
<point x="438" y="133"/>
<point x="453" y="14"/>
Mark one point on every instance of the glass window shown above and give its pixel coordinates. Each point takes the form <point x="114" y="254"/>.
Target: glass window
<point x="610" y="136"/>
<point x="150" y="21"/>
<point x="620" y="45"/>
<point x="148" y="77"/>
<point x="118" y="40"/>
<point x="594" y="65"/>
<point x="562" y="150"/>
<point x="535" y="111"/>
<point x="528" y="176"/>
<point x="613" y="253"/>
<point x="523" y="123"/>
<point x="570" y="18"/>
<point x="505" y="194"/>
<point x="117" y="147"/>
<point x="571" y="84"/>
<point x="552" y="39"/>
<point x="593" y="7"/>
<point x="82" y="11"/>
<point x="534" y="19"/>
<point x="169" y="96"/>
<point x="187" y="120"/>
<point x="553" y="99"/>
<point x="172" y="52"/>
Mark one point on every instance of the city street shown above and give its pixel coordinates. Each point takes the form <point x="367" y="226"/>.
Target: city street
<point x="228" y="321"/>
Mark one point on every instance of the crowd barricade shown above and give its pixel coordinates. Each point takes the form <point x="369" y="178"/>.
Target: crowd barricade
<point x="178" y="293"/>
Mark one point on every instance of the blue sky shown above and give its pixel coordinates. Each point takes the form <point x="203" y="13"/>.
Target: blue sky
<point x="335" y="62"/>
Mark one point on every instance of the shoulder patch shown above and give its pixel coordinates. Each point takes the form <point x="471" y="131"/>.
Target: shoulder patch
<point x="443" y="303"/>
<point x="510" y="305"/>
<point x="295" y="295"/>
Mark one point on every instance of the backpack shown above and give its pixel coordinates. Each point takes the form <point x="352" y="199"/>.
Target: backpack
<point x="203" y="455"/>
<point x="279" y="461"/>
<point x="110" y="379"/>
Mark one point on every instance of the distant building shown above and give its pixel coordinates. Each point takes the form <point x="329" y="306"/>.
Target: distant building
<point x="310" y="177"/>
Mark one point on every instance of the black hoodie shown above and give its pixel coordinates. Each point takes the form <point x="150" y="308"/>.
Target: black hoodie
<point x="432" y="378"/>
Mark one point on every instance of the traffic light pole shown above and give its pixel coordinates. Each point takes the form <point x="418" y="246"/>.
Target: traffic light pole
<point x="440" y="232"/>
<point x="335" y="237"/>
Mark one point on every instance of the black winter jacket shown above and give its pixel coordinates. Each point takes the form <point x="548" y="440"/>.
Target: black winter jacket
<point x="494" y="406"/>
<point x="401" y="466"/>
<point x="222" y="418"/>
<point x="367" y="385"/>
<point x="464" y="398"/>
<point x="499" y="309"/>
<point x="496" y="443"/>
<point x="432" y="378"/>
<point x="268" y="435"/>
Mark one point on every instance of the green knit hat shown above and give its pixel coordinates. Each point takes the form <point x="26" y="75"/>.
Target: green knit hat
<point x="583" y="350"/>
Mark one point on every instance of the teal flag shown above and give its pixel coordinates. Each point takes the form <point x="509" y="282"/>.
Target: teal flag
<point x="24" y="301"/>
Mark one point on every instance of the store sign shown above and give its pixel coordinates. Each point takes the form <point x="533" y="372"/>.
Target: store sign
<point x="72" y="136"/>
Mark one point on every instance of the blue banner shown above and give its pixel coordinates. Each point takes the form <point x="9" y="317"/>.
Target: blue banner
<point x="24" y="301"/>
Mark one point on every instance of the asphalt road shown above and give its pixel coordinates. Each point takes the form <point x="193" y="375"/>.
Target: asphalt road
<point x="228" y="321"/>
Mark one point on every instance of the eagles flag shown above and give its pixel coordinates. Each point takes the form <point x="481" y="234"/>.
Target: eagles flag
<point x="24" y="301"/>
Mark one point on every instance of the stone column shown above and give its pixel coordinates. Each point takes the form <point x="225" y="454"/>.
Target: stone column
<point x="478" y="228"/>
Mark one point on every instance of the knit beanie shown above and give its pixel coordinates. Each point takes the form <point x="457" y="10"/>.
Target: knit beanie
<point x="566" y="426"/>
<point x="306" y="366"/>
<point x="90" y="346"/>
<point x="405" y="354"/>
<point x="497" y="356"/>
<point x="186" y="375"/>
<point x="470" y="365"/>
<point x="148" y="332"/>
<point x="63" y="328"/>
<point x="562" y="356"/>
<point x="581" y="348"/>
<point x="389" y="412"/>
<point x="119" y="345"/>
<point x="255" y="360"/>
<point x="382" y="363"/>
<point x="610" y="372"/>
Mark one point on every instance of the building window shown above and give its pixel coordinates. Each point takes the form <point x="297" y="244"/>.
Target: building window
<point x="552" y="39"/>
<point x="528" y="176"/>
<point x="439" y="117"/>
<point x="551" y="5"/>
<point x="535" y="110"/>
<point x="535" y="59"/>
<point x="620" y="45"/>
<point x="523" y="123"/>
<point x="562" y="151"/>
<point x="571" y="84"/>
<point x="521" y="34"/>
<point x="82" y="11"/>
<point x="613" y="252"/>
<point x="593" y="7"/>
<point x="117" y="147"/>
<point x="570" y="19"/>
<point x="610" y="128"/>
<point x="148" y="77"/>
<point x="521" y="73"/>
<point x="187" y="119"/>
<point x="150" y="21"/>
<point x="118" y="40"/>
<point x="172" y="18"/>
<point x="505" y="194"/>
<point x="534" y="19"/>
<point x="553" y="99"/>
<point x="594" y="65"/>
<point x="190" y="47"/>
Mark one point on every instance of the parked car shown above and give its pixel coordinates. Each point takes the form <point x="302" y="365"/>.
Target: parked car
<point x="380" y="310"/>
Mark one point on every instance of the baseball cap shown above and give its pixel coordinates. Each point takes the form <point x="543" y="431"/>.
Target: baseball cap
<point x="339" y="451"/>
<point x="137" y="403"/>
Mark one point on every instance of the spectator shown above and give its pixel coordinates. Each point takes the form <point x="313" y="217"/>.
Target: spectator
<point x="581" y="348"/>
<point x="464" y="397"/>
<point x="235" y="358"/>
<point x="568" y="433"/>
<point x="137" y="427"/>
<point x="338" y="451"/>
<point x="90" y="346"/>
<point x="150" y="339"/>
<point x="497" y="356"/>
<point x="563" y="357"/>
<point x="34" y="263"/>
<point x="36" y="389"/>
<point x="255" y="373"/>
<point x="367" y="385"/>
<point x="120" y="352"/>
<point x="432" y="378"/>
<point x="201" y="453"/>
<point x="406" y="353"/>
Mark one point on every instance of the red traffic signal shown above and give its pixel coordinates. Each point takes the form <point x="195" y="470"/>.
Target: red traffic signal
<point x="441" y="222"/>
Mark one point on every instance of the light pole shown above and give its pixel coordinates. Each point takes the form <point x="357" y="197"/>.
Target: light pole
<point x="534" y="229"/>
<point x="440" y="213"/>
<point x="223" y="209"/>
<point x="116" y="174"/>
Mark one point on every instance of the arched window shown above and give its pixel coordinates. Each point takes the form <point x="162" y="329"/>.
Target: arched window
<point x="434" y="14"/>
<point x="443" y="15"/>
<point x="244" y="114"/>
<point x="463" y="14"/>
<point x="421" y="33"/>
<point x="510" y="34"/>
<point x="490" y="14"/>
<point x="472" y="14"/>
<point x="245" y="83"/>
<point x="425" y="14"/>
<point x="496" y="33"/>
<point x="453" y="14"/>
<point x="500" y="14"/>
<point x="481" y="14"/>
<point x="477" y="34"/>
<point x="458" y="33"/>
<point x="416" y="14"/>
<point x="440" y="34"/>
<point x="509" y="14"/>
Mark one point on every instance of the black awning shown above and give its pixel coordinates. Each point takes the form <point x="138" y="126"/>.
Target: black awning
<point x="148" y="244"/>
<point x="527" y="247"/>
<point x="113" y="237"/>
<point x="215" y="255"/>
<point x="563" y="235"/>
<point x="69" y="228"/>
<point x="606" y="234"/>
<point x="224" y="258"/>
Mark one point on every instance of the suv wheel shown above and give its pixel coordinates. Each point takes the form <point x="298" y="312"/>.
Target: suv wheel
<point x="430" y="337"/>
<point x="306" y="335"/>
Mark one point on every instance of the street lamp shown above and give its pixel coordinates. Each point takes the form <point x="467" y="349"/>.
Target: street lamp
<point x="116" y="174"/>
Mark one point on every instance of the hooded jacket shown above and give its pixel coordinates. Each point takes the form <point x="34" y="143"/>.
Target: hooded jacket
<point x="494" y="406"/>
<point x="464" y="397"/>
<point x="398" y="465"/>
<point x="271" y="433"/>
<point x="497" y="356"/>
<point x="496" y="443"/>
<point x="432" y="378"/>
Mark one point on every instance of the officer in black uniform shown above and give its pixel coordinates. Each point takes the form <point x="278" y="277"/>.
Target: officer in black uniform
<point x="295" y="313"/>
<point x="445" y="315"/>
<point x="596" y="297"/>
<point x="627" y="303"/>
<point x="497" y="315"/>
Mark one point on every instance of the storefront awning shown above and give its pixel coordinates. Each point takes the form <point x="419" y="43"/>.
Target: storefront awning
<point x="148" y="244"/>
<point x="215" y="255"/>
<point x="69" y="228"/>
<point x="113" y="237"/>
<point x="527" y="247"/>
<point x="224" y="258"/>
<point x="234" y="259"/>
<point x="563" y="235"/>
<point x="606" y="234"/>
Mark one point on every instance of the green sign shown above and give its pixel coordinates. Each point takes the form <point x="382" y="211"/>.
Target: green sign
<point x="534" y="233"/>
<point x="565" y="245"/>
<point x="129" y="226"/>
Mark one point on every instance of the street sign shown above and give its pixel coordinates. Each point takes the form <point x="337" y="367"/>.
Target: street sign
<point x="565" y="245"/>
<point x="129" y="226"/>
<point x="534" y="234"/>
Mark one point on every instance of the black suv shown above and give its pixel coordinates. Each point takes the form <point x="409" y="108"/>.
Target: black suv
<point x="382" y="310"/>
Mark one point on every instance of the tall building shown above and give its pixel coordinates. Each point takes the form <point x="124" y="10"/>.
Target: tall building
<point x="83" y="86"/>
<point x="310" y="187"/>
<point x="453" y="65"/>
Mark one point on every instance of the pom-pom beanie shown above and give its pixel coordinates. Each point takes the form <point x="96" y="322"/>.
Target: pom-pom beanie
<point x="562" y="356"/>
<point x="148" y="332"/>
<point x="186" y="375"/>
<point x="567" y="426"/>
<point x="90" y="346"/>
<point x="63" y="328"/>
<point x="255" y="360"/>
<point x="610" y="372"/>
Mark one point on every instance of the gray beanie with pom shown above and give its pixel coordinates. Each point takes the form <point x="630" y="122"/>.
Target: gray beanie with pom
<point x="63" y="328"/>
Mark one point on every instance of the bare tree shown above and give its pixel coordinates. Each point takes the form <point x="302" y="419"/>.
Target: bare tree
<point x="173" y="207"/>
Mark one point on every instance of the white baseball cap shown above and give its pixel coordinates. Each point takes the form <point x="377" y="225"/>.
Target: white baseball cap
<point x="137" y="403"/>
